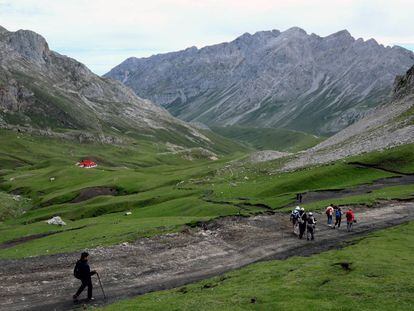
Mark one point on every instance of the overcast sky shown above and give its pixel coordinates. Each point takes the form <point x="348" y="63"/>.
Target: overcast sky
<point x="102" y="33"/>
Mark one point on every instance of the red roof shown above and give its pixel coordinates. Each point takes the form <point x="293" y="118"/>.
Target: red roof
<point x="87" y="163"/>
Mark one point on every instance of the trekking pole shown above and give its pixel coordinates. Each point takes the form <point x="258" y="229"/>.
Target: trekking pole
<point x="100" y="283"/>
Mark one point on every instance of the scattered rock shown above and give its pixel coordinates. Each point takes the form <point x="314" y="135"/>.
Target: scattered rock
<point x="128" y="213"/>
<point x="266" y="155"/>
<point x="253" y="300"/>
<point x="56" y="221"/>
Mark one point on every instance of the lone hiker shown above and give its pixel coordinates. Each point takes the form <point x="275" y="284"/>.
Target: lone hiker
<point x="303" y="217"/>
<point x="338" y="218"/>
<point x="83" y="272"/>
<point x="329" y="212"/>
<point x="350" y="219"/>
<point x="311" y="225"/>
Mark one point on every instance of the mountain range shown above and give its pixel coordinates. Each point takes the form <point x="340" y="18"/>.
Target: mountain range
<point x="288" y="79"/>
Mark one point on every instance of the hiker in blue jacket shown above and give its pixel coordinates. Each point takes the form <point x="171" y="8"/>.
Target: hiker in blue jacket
<point x="83" y="272"/>
<point x="338" y="217"/>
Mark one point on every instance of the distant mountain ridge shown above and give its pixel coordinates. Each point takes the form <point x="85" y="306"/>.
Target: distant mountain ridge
<point x="271" y="79"/>
<point x="45" y="92"/>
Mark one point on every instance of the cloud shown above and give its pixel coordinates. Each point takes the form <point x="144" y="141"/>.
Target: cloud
<point x="102" y="33"/>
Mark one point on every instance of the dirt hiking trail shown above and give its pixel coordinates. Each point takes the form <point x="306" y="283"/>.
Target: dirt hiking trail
<point x="168" y="261"/>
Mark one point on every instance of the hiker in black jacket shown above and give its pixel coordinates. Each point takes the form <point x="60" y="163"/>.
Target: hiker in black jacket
<point x="83" y="272"/>
<point x="310" y="229"/>
<point x="303" y="218"/>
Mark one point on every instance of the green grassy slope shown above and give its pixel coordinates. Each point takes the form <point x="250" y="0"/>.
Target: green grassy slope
<point x="269" y="138"/>
<point x="144" y="174"/>
<point x="163" y="190"/>
<point x="379" y="279"/>
<point x="259" y="183"/>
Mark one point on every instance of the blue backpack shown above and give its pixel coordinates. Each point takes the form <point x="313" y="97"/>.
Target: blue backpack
<point x="338" y="214"/>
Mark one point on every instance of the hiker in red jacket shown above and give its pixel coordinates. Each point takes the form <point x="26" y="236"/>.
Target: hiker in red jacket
<point x="350" y="219"/>
<point x="329" y="213"/>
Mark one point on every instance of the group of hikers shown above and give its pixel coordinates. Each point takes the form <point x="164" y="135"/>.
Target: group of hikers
<point x="306" y="222"/>
<point x="303" y="221"/>
<point x="332" y="210"/>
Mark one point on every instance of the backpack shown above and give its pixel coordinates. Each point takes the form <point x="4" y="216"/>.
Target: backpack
<point x="311" y="220"/>
<point x="76" y="271"/>
<point x="295" y="215"/>
<point x="338" y="214"/>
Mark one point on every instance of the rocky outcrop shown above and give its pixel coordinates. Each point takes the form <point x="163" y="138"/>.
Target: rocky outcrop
<point x="271" y="79"/>
<point x="404" y="84"/>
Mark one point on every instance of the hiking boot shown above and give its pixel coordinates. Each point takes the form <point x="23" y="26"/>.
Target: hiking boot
<point x="90" y="299"/>
<point x="75" y="298"/>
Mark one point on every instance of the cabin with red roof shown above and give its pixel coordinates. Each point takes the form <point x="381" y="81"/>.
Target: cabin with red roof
<point x="87" y="164"/>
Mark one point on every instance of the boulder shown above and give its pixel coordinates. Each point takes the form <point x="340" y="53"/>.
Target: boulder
<point x="56" y="221"/>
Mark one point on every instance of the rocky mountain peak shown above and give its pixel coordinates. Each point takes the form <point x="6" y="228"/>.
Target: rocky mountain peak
<point x="342" y="33"/>
<point x="29" y="45"/>
<point x="404" y="84"/>
<point x="341" y="36"/>
<point x="3" y="30"/>
<point x="295" y="31"/>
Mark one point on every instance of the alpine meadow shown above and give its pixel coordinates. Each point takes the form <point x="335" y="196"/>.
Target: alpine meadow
<point x="272" y="171"/>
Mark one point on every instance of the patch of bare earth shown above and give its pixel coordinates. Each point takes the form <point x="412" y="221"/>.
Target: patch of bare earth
<point x="89" y="193"/>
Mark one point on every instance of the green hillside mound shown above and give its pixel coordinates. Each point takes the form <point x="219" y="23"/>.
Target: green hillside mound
<point x="269" y="138"/>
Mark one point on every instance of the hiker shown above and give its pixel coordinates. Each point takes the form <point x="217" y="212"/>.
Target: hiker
<point x="338" y="217"/>
<point x="299" y="197"/>
<point x="350" y="219"/>
<point x="294" y="216"/>
<point x="311" y="225"/>
<point x="303" y="217"/>
<point x="329" y="212"/>
<point x="83" y="272"/>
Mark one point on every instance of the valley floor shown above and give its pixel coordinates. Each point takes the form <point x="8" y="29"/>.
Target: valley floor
<point x="172" y="260"/>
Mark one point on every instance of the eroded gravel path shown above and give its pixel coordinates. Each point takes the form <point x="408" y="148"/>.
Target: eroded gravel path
<point x="46" y="283"/>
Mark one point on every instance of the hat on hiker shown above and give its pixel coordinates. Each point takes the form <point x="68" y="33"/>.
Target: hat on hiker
<point x="84" y="255"/>
<point x="302" y="209"/>
<point x="297" y="208"/>
<point x="310" y="213"/>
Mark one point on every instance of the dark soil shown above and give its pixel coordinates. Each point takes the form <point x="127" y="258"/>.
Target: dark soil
<point x="89" y="193"/>
<point x="32" y="237"/>
<point x="173" y="260"/>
